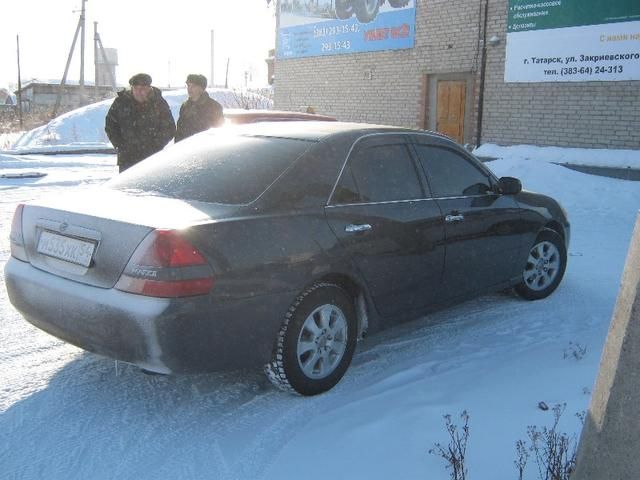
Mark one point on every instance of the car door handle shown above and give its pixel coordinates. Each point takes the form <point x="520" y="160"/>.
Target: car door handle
<point x="454" y="218"/>
<point x="357" y="228"/>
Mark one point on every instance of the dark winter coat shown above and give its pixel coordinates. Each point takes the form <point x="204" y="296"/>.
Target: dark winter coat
<point x="198" y="116"/>
<point x="138" y="130"/>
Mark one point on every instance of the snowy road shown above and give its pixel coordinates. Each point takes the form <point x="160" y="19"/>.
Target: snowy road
<point x="67" y="414"/>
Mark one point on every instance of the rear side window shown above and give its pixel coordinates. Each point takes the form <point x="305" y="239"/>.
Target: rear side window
<point x="213" y="168"/>
<point x="378" y="174"/>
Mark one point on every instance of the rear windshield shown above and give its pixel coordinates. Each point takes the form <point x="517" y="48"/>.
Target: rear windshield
<point x="213" y="168"/>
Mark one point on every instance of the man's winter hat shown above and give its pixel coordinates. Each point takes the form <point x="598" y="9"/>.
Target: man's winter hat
<point x="197" y="79"/>
<point x="140" y="79"/>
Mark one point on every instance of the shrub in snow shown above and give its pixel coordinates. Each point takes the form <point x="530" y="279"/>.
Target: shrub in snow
<point x="454" y="453"/>
<point x="553" y="451"/>
<point x="8" y="139"/>
<point x="575" y="350"/>
<point x="523" y="456"/>
<point x="249" y="100"/>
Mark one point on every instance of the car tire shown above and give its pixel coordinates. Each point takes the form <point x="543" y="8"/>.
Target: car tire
<point x="344" y="9"/>
<point x="316" y="342"/>
<point x="544" y="268"/>
<point x="366" y="10"/>
<point x="398" y="3"/>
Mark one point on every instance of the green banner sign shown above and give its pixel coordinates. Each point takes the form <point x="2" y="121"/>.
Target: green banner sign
<point x="525" y="15"/>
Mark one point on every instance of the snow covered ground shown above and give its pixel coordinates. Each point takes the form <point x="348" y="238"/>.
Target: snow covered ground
<point x="67" y="414"/>
<point x="595" y="157"/>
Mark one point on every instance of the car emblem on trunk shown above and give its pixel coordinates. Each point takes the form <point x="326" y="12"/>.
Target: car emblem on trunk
<point x="64" y="226"/>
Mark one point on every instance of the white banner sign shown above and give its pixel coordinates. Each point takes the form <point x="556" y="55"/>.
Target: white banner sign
<point x="575" y="54"/>
<point x="543" y="46"/>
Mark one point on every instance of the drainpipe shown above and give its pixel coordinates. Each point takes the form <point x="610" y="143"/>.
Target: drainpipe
<point x="483" y="69"/>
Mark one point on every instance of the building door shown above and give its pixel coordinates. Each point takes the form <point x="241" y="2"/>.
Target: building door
<point x="450" y="108"/>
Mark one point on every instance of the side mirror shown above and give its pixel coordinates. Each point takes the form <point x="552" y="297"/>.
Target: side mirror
<point x="509" y="185"/>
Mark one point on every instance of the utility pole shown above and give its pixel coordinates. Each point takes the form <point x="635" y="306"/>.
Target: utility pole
<point x="82" y="24"/>
<point x="66" y="68"/>
<point x="95" y="57"/>
<point x="211" y="81"/>
<point x="19" y="82"/>
<point x="226" y="76"/>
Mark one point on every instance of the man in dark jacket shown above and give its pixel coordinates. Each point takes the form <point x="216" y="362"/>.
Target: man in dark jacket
<point x="200" y="112"/>
<point x="139" y="122"/>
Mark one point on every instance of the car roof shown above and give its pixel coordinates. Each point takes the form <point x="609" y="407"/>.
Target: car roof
<point x="314" y="130"/>
<point x="236" y="115"/>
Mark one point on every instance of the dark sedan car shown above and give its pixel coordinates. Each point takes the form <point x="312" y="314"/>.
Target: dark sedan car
<point x="278" y="245"/>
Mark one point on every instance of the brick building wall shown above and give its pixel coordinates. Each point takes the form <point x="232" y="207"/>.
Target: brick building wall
<point x="387" y="87"/>
<point x="568" y="114"/>
<point x="397" y="87"/>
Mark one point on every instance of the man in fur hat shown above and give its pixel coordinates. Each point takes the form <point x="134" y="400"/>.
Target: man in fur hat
<point x="139" y="122"/>
<point x="200" y="112"/>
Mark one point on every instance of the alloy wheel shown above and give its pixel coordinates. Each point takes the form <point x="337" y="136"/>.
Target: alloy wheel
<point x="322" y="341"/>
<point x="542" y="266"/>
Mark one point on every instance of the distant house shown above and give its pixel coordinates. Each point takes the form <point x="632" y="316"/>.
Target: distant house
<point x="39" y="93"/>
<point x="271" y="63"/>
<point x="6" y="98"/>
<point x="7" y="101"/>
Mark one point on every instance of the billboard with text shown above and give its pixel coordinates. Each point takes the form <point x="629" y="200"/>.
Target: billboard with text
<point x="573" y="41"/>
<point x="308" y="28"/>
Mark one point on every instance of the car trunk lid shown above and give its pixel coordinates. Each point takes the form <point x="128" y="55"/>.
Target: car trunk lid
<point x="90" y="237"/>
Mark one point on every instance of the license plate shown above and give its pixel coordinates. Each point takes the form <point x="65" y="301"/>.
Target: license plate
<point x="66" y="248"/>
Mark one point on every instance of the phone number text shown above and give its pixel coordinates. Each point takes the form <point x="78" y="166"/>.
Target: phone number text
<point x="334" y="46"/>
<point x="333" y="31"/>
<point x="598" y="70"/>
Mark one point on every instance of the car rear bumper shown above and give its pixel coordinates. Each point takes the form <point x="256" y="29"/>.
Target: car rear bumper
<point x="186" y="335"/>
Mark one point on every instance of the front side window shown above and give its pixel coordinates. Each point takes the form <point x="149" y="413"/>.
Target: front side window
<point x="378" y="174"/>
<point x="450" y="174"/>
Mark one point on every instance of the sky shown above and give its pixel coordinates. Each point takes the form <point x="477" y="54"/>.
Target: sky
<point x="168" y="40"/>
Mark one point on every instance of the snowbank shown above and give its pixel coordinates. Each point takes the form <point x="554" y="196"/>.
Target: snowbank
<point x="83" y="129"/>
<point x="594" y="157"/>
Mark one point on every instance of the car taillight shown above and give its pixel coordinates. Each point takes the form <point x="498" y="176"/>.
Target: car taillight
<point x="165" y="264"/>
<point x="16" y="238"/>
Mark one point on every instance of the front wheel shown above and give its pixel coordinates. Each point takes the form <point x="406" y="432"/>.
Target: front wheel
<point x="316" y="341"/>
<point x="544" y="268"/>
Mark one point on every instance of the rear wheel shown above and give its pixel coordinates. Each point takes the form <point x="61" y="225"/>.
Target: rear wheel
<point x="344" y="9"/>
<point x="366" y="10"/>
<point x="316" y="341"/>
<point x="545" y="267"/>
